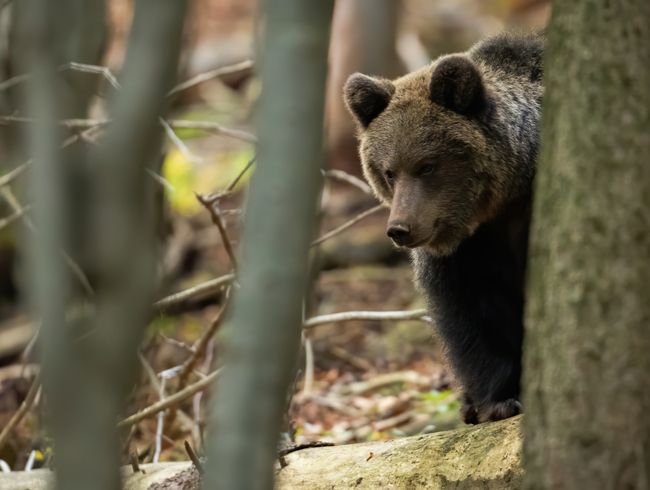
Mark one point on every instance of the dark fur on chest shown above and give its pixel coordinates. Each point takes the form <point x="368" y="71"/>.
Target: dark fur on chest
<point x="476" y="297"/>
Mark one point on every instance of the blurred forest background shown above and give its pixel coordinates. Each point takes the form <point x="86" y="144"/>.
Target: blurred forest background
<point x="359" y="380"/>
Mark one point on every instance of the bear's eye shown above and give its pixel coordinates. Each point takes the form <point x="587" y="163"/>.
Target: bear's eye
<point x="390" y="176"/>
<point x="425" y="169"/>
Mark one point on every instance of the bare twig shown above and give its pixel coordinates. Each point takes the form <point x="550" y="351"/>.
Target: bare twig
<point x="176" y="343"/>
<point x="151" y="375"/>
<point x="27" y="351"/>
<point x="309" y="366"/>
<point x="213" y="127"/>
<point x="93" y="69"/>
<point x="193" y="457"/>
<point x="9" y="177"/>
<point x="170" y="401"/>
<point x="199" y="347"/>
<point x="385" y="379"/>
<point x="234" y="181"/>
<point x="197" y="292"/>
<point x="18" y="79"/>
<point x="218" y="221"/>
<point x="197" y="433"/>
<point x="345" y="316"/>
<point x="348" y="178"/>
<point x="71" y="66"/>
<point x="209" y="75"/>
<point x="164" y="376"/>
<point x="156" y="387"/>
<point x="299" y="447"/>
<point x="161" y="180"/>
<point x="75" y="123"/>
<point x="15" y="216"/>
<point x="25" y="406"/>
<point x="212" y="198"/>
<point x="29" y="465"/>
<point x="182" y="147"/>
<point x="74" y="267"/>
<point x="80" y="123"/>
<point x="348" y="224"/>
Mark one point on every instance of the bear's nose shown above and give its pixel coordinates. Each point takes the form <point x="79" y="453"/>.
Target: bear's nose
<point x="399" y="233"/>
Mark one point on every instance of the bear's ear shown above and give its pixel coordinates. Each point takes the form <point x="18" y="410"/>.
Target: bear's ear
<point x="457" y="85"/>
<point x="367" y="97"/>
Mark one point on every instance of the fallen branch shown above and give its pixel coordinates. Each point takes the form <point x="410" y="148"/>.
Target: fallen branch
<point x="346" y="316"/>
<point x="170" y="401"/>
<point x="386" y="379"/>
<point x="486" y="456"/>
<point x="193" y="457"/>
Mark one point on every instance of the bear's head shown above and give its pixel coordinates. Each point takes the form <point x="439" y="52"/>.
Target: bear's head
<point x="425" y="151"/>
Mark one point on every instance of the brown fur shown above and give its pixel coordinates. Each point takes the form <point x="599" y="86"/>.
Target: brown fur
<point x="452" y="148"/>
<point x="438" y="116"/>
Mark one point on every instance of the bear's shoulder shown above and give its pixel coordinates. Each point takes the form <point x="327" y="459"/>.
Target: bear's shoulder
<point x="514" y="53"/>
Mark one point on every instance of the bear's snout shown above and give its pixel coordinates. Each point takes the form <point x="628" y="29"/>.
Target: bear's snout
<point x="400" y="233"/>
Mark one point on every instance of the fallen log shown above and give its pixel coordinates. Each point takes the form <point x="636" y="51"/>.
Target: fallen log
<point x="486" y="456"/>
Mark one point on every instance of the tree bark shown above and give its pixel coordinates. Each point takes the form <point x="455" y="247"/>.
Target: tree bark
<point x="587" y="361"/>
<point x="98" y="203"/>
<point x="263" y="335"/>
<point x="487" y="456"/>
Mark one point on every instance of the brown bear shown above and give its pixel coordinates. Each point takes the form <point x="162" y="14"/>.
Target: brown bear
<point x="452" y="148"/>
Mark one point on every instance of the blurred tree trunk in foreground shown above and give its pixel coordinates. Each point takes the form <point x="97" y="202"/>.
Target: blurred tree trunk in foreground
<point x="263" y="335"/>
<point x="98" y="203"/>
<point x="587" y="367"/>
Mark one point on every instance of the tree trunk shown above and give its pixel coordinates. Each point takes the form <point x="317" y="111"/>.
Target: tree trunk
<point x="587" y="366"/>
<point x="99" y="204"/>
<point x="486" y="456"/>
<point x="364" y="39"/>
<point x="263" y="335"/>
